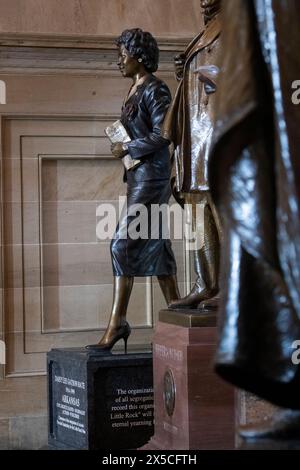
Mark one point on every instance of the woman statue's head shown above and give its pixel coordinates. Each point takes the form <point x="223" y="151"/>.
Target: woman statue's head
<point x="141" y="46"/>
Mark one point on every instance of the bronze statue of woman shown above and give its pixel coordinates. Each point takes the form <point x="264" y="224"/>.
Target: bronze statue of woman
<point x="143" y="112"/>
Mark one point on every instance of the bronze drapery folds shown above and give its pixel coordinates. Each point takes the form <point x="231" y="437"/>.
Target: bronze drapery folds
<point x="254" y="174"/>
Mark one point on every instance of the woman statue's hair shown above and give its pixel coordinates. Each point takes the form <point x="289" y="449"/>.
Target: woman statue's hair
<point x="141" y="45"/>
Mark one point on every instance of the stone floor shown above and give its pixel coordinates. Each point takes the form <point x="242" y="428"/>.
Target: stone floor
<point x="23" y="413"/>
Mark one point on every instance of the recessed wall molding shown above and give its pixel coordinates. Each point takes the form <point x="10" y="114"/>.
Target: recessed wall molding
<point x="82" y="42"/>
<point x="54" y="59"/>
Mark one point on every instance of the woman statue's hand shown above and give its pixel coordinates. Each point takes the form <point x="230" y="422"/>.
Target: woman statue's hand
<point x="119" y="150"/>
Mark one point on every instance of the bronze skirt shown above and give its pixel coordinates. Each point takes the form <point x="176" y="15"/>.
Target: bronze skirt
<point x="146" y="255"/>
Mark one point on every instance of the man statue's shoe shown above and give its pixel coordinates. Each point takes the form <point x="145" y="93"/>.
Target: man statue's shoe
<point x="202" y="298"/>
<point x="210" y="304"/>
<point x="189" y="302"/>
<point x="285" y="424"/>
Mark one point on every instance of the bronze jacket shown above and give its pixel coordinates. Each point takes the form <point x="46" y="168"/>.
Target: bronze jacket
<point x="143" y="115"/>
<point x="188" y="123"/>
<point x="254" y="174"/>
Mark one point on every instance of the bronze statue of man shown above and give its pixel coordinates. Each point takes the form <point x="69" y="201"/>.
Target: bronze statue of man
<point x="188" y="125"/>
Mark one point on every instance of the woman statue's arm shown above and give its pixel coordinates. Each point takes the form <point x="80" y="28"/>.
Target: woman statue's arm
<point x="157" y="100"/>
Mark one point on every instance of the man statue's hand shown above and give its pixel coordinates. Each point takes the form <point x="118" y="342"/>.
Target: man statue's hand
<point x="119" y="150"/>
<point x="179" y="61"/>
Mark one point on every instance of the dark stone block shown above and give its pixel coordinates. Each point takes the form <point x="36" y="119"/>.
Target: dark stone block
<point x="99" y="401"/>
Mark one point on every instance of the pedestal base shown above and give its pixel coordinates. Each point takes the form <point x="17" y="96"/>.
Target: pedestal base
<point x="194" y="409"/>
<point x="99" y="401"/>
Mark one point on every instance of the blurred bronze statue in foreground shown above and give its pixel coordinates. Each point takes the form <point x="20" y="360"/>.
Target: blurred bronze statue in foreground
<point x="189" y="126"/>
<point x="254" y="173"/>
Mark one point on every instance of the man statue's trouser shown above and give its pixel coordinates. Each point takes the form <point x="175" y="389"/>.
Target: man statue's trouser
<point x="202" y="220"/>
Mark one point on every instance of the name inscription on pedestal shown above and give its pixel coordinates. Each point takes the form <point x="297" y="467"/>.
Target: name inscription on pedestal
<point x="69" y="405"/>
<point x="100" y="401"/>
<point x="132" y="408"/>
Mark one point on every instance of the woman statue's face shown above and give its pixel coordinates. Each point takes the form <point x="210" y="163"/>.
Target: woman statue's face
<point x="129" y="66"/>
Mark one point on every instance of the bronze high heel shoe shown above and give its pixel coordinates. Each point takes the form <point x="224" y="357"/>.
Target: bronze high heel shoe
<point x="123" y="331"/>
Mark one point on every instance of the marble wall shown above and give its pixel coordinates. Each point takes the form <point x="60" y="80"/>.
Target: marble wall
<point x="55" y="168"/>
<point x="164" y="18"/>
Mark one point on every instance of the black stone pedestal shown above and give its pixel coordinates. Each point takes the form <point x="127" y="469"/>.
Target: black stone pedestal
<point x="99" y="401"/>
